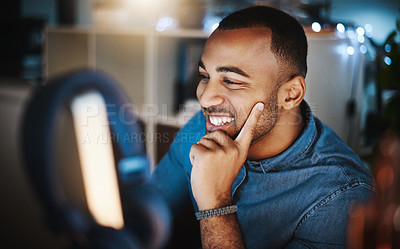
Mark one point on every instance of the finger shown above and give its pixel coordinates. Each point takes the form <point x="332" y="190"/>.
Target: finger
<point x="246" y="134"/>
<point x="208" y="143"/>
<point x="196" y="150"/>
<point x="219" y="137"/>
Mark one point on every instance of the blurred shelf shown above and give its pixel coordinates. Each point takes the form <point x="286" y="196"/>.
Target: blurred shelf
<point x="147" y="64"/>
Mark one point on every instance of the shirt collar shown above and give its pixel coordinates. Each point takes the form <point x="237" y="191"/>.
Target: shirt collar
<point x="300" y="147"/>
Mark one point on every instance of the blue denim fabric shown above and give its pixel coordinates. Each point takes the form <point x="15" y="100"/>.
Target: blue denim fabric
<point x="297" y="199"/>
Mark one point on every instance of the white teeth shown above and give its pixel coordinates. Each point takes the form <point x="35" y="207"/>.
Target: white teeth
<point x="217" y="121"/>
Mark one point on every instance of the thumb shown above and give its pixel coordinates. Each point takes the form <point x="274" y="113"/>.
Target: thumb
<point x="246" y="134"/>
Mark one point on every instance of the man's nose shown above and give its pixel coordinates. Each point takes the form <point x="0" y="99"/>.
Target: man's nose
<point x="211" y="94"/>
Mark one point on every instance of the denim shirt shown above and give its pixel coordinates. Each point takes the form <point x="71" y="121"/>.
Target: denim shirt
<point x="299" y="198"/>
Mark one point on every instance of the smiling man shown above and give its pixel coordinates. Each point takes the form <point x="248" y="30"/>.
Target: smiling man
<point x="260" y="170"/>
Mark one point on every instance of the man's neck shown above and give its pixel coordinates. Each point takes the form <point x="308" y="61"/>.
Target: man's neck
<point x="288" y="127"/>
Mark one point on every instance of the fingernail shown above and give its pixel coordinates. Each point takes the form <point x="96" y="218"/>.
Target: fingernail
<point x="260" y="106"/>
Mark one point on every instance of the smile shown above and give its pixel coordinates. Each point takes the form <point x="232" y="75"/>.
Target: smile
<point x="219" y="121"/>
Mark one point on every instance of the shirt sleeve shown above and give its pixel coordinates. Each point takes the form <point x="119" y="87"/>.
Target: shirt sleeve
<point x="326" y="225"/>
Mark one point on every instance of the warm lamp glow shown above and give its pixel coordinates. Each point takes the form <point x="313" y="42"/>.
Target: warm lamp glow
<point x="100" y="180"/>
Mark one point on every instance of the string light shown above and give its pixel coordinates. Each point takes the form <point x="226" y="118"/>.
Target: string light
<point x="360" y="31"/>
<point x="350" y="50"/>
<point x="388" y="48"/>
<point x="387" y="60"/>
<point x="363" y="49"/>
<point x="340" y="28"/>
<point x="316" y="27"/>
<point x="368" y="29"/>
<point x="164" y="23"/>
<point x="351" y="34"/>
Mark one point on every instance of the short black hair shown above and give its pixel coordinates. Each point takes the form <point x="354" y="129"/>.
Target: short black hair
<point x="289" y="42"/>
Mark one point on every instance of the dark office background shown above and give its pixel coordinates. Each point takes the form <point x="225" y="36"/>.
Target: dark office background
<point x="21" y="61"/>
<point x="22" y="23"/>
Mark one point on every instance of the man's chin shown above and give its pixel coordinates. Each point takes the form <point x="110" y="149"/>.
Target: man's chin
<point x="230" y="134"/>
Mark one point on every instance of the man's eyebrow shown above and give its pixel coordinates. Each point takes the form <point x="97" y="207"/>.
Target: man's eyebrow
<point x="201" y="64"/>
<point x="227" y="69"/>
<point x="233" y="70"/>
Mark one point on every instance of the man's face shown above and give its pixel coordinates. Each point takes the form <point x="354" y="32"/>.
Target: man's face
<point x="238" y="70"/>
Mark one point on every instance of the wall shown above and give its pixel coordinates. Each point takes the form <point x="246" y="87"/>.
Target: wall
<point x="381" y="14"/>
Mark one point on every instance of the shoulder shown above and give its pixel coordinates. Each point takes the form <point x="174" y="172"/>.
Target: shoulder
<point x="343" y="177"/>
<point x="323" y="150"/>
<point x="325" y="224"/>
<point x="330" y="150"/>
<point x="338" y="167"/>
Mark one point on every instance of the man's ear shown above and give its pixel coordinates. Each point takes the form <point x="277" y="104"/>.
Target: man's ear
<point x="291" y="93"/>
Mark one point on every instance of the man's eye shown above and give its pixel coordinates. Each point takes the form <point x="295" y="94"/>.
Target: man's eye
<point x="231" y="82"/>
<point x="204" y="77"/>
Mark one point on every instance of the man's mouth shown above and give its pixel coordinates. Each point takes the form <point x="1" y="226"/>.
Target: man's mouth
<point x="220" y="120"/>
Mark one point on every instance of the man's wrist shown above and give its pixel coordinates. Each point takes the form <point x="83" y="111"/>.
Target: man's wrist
<point x="214" y="203"/>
